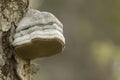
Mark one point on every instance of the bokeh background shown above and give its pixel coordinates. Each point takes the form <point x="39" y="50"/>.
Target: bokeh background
<point x="92" y="32"/>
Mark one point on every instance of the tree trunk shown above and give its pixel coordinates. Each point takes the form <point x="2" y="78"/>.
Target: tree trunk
<point x="12" y="67"/>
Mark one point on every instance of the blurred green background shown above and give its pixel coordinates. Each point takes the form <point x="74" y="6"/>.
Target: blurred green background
<point x="92" y="32"/>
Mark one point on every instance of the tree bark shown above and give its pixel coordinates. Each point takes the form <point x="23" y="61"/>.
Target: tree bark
<point x="12" y="67"/>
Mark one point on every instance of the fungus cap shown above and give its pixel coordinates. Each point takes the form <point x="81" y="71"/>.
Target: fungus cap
<point x="39" y="34"/>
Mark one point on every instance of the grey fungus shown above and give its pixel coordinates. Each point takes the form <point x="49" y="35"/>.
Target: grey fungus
<point x="39" y="34"/>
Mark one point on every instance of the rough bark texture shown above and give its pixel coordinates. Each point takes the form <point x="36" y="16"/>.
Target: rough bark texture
<point x="11" y="66"/>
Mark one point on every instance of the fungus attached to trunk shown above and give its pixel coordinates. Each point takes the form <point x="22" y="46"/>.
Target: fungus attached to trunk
<point x="39" y="34"/>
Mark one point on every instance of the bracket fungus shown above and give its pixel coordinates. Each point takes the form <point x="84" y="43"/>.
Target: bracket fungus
<point x="39" y="34"/>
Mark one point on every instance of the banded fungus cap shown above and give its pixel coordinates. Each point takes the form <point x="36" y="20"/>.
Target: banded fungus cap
<point x="39" y="34"/>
